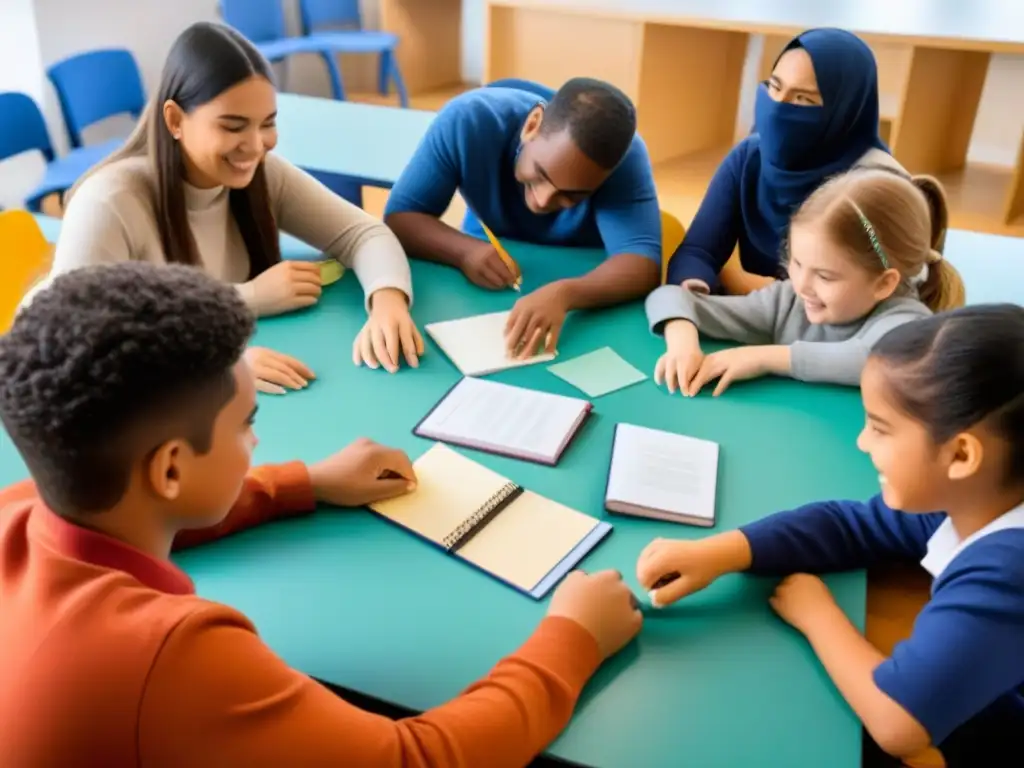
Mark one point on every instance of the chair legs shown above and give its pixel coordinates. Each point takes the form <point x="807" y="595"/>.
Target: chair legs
<point x="389" y="70"/>
<point x="383" y="73"/>
<point x="334" y="72"/>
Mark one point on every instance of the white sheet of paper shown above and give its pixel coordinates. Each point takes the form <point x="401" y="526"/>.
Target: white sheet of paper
<point x="515" y="420"/>
<point x="664" y="471"/>
<point x="476" y="345"/>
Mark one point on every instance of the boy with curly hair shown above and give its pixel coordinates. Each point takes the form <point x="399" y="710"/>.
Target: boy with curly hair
<point x="125" y="391"/>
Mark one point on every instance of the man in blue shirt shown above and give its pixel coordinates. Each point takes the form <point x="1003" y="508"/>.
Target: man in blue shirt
<point x="563" y="168"/>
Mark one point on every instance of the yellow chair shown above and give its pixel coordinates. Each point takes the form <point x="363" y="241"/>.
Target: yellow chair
<point x="25" y="258"/>
<point x="672" y="234"/>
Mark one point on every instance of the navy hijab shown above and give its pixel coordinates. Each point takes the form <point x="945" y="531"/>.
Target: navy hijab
<point x="797" y="147"/>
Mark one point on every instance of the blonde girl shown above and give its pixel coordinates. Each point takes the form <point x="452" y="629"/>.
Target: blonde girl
<point x="864" y="256"/>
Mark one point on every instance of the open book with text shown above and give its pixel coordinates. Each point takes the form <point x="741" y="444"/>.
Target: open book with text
<point x="662" y="475"/>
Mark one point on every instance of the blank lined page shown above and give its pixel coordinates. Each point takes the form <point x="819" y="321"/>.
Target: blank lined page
<point x="476" y="345"/>
<point x="514" y="420"/>
<point x="663" y="471"/>
<point x="528" y="539"/>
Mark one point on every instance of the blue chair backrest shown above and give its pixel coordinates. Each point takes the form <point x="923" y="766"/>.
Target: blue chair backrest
<point x="262" y="21"/>
<point x="329" y="13"/>
<point x="95" y="85"/>
<point x="22" y="127"/>
<point x="523" y="85"/>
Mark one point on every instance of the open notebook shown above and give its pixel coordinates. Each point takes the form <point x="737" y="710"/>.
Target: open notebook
<point x="662" y="475"/>
<point x="525" y="540"/>
<point x="510" y="421"/>
<point x="476" y="345"/>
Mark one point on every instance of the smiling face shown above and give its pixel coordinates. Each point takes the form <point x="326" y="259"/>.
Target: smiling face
<point x="224" y="140"/>
<point x="834" y="287"/>
<point x="913" y="471"/>
<point x="793" y="80"/>
<point x="554" y="173"/>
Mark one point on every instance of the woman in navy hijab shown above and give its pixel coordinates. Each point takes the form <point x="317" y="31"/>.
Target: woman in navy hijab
<point x="816" y="116"/>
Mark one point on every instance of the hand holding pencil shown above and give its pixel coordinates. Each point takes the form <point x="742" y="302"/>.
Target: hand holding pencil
<point x="483" y="266"/>
<point x="503" y="255"/>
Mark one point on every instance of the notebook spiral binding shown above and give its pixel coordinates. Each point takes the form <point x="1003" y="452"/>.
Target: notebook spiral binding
<point x="475" y="522"/>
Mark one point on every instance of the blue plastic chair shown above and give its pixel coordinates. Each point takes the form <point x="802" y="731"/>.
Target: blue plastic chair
<point x="262" y="22"/>
<point x="95" y="85"/>
<point x="23" y="129"/>
<point x="317" y="14"/>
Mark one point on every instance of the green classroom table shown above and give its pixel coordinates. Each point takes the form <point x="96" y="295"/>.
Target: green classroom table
<point x="717" y="680"/>
<point x="351" y="600"/>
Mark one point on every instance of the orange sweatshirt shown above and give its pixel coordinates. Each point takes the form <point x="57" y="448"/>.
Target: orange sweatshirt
<point x="108" y="658"/>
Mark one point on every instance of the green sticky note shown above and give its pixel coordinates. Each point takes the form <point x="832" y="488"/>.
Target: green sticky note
<point x="598" y="373"/>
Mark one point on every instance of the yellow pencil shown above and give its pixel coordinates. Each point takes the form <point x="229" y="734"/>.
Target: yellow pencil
<point x="509" y="261"/>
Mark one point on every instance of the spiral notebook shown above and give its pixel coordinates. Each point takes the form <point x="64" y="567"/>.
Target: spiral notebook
<point x="523" y="539"/>
<point x="510" y="421"/>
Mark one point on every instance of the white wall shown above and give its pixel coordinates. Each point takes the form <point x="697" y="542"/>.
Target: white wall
<point x="20" y="70"/>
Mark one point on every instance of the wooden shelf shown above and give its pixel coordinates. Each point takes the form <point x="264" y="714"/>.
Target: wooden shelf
<point x="976" y="193"/>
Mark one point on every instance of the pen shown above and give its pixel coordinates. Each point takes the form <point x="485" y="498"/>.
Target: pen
<point x="509" y="261"/>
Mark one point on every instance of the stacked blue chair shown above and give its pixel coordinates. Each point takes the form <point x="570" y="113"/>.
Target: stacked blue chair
<point x="23" y="129"/>
<point x="320" y="14"/>
<point x="262" y="22"/>
<point x="95" y="85"/>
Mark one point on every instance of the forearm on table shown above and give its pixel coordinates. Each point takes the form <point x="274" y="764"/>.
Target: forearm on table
<point x="730" y="551"/>
<point x="510" y="716"/>
<point x="379" y="262"/>
<point x="834" y="362"/>
<point x="621" y="278"/>
<point x="776" y="358"/>
<point x="850" y="661"/>
<point x="428" y="238"/>
<point x="256" y="710"/>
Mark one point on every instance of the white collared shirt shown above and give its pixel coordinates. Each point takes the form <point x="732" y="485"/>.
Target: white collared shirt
<point x="945" y="543"/>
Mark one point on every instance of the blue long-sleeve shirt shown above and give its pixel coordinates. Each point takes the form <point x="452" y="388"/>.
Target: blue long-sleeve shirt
<point x="720" y="226"/>
<point x="965" y="657"/>
<point x="472" y="146"/>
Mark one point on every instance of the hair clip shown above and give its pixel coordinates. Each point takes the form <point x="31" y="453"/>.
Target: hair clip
<point x="873" y="237"/>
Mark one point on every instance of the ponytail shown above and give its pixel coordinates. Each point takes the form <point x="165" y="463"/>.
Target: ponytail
<point x="943" y="288"/>
<point x="938" y="207"/>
